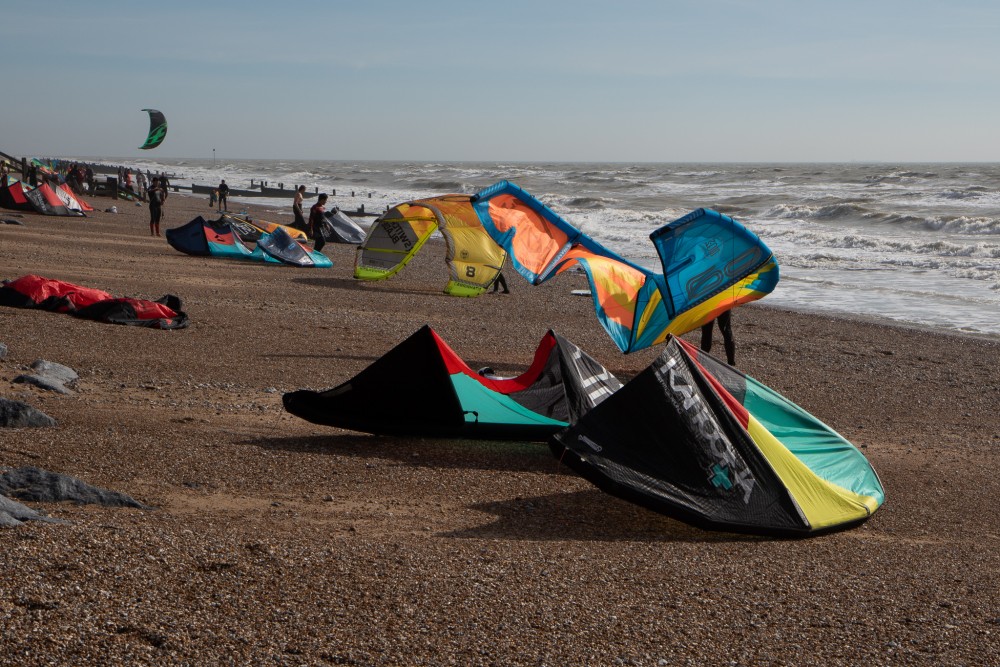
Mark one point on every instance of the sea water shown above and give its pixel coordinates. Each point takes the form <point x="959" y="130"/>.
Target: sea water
<point x="916" y="243"/>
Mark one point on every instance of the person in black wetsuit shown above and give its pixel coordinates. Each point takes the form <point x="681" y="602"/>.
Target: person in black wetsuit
<point x="223" y="196"/>
<point x="317" y="220"/>
<point x="156" y="196"/>
<point x="726" y="327"/>
<point x="500" y="282"/>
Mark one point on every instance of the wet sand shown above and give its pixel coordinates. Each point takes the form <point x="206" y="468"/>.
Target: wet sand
<point x="277" y="541"/>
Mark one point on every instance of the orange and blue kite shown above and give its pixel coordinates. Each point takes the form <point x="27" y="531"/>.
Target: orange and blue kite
<point x="711" y="264"/>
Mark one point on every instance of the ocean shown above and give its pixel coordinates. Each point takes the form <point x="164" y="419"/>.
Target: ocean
<point x="914" y="243"/>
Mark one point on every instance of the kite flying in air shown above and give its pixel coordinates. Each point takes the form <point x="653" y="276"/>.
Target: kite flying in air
<point x="157" y="129"/>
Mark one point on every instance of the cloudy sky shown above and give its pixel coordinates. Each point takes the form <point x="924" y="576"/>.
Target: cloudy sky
<point x="540" y="80"/>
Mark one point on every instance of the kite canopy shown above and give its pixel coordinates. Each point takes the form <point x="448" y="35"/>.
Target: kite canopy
<point x="261" y="227"/>
<point x="341" y="229"/>
<point x="220" y="239"/>
<point x="697" y="440"/>
<point x="13" y="197"/>
<point x="422" y="387"/>
<point x="93" y="304"/>
<point x="474" y="260"/>
<point x="710" y="262"/>
<point x="216" y="239"/>
<point x="287" y="250"/>
<point x="71" y="201"/>
<point x="157" y="129"/>
<point x="43" y="199"/>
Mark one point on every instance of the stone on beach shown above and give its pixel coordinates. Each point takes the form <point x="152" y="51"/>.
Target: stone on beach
<point x="37" y="485"/>
<point x="50" y="376"/>
<point x="16" y="414"/>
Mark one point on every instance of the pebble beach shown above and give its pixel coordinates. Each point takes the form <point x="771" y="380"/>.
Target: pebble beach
<point x="278" y="542"/>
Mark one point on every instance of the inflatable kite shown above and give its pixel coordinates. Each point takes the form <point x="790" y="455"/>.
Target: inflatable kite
<point x="395" y="237"/>
<point x="422" y="388"/>
<point x="242" y="222"/>
<point x="157" y="129"/>
<point x="339" y="228"/>
<point x="43" y="199"/>
<point x="215" y="239"/>
<point x="287" y="250"/>
<point x="220" y="239"/>
<point x="711" y="264"/>
<point x="93" y="304"/>
<point x="12" y="195"/>
<point x="697" y="440"/>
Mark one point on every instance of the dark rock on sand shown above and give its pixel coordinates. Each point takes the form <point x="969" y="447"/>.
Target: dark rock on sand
<point x="48" y="384"/>
<point x="51" y="369"/>
<point x="33" y="484"/>
<point x="13" y="513"/>
<point x="15" y="414"/>
<point x="50" y="376"/>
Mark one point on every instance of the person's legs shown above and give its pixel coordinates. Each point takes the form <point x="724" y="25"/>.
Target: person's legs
<point x="706" y="336"/>
<point x="726" y="327"/>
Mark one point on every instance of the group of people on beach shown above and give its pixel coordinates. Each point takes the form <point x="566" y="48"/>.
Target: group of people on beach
<point x="317" y="217"/>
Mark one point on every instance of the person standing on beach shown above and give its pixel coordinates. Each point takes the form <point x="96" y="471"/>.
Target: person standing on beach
<point x="317" y="220"/>
<point x="500" y="281"/>
<point x="300" y="220"/>
<point x="726" y="327"/>
<point x="157" y="195"/>
<point x="223" y="196"/>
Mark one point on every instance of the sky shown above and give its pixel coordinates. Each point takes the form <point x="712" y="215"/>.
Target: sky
<point x="539" y="80"/>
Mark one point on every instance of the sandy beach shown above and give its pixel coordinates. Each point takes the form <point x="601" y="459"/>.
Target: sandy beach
<point x="279" y="542"/>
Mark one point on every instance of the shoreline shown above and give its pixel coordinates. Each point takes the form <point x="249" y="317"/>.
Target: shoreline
<point x="277" y="541"/>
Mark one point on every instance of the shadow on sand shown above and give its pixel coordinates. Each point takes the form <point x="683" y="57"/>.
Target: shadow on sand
<point x="584" y="515"/>
<point x="499" y="455"/>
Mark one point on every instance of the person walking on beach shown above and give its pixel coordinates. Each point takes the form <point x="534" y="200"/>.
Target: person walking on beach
<point x="726" y="327"/>
<point x="300" y="220"/>
<point x="157" y="195"/>
<point x="223" y="196"/>
<point x="317" y="220"/>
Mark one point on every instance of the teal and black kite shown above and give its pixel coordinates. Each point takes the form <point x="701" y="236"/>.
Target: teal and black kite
<point x="157" y="129"/>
